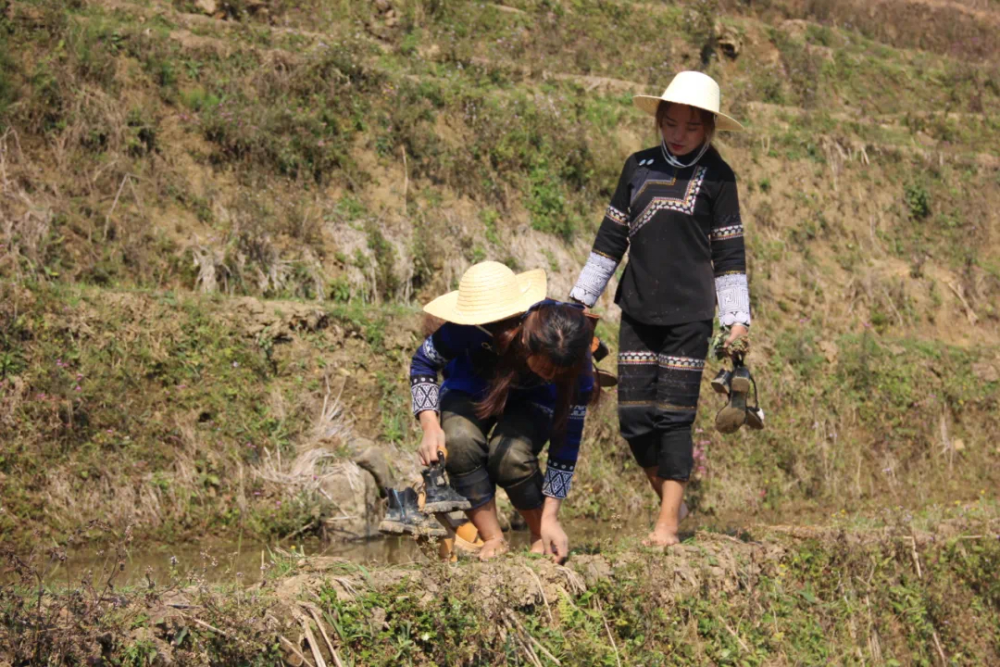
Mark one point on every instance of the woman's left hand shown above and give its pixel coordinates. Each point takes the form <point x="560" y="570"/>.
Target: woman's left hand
<point x="554" y="540"/>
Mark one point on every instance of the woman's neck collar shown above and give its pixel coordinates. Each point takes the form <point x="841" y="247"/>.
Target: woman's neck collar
<point x="687" y="157"/>
<point x="686" y="160"/>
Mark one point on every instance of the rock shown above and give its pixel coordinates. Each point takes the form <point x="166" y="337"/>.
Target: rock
<point x="389" y="466"/>
<point x="353" y="494"/>
<point x="375" y="461"/>
<point x="986" y="372"/>
<point x="729" y="40"/>
<point x="209" y="7"/>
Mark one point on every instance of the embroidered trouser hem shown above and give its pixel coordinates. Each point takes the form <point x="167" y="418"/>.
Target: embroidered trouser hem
<point x="659" y="375"/>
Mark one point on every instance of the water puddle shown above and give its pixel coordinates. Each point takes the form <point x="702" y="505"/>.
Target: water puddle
<point x="243" y="563"/>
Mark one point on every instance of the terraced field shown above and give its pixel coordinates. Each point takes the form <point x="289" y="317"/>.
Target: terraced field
<point x="219" y="219"/>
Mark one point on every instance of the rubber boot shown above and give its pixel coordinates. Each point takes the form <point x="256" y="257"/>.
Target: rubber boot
<point x="605" y="380"/>
<point x="720" y="383"/>
<point x="404" y="517"/>
<point x="440" y="496"/>
<point x="599" y="349"/>
<point x="734" y="414"/>
<point x="755" y="415"/>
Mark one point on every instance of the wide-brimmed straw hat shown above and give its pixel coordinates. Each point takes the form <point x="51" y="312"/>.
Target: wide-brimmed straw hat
<point x="489" y="292"/>
<point x="693" y="89"/>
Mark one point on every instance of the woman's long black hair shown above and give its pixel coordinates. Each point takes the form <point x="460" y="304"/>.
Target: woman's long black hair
<point x="558" y="332"/>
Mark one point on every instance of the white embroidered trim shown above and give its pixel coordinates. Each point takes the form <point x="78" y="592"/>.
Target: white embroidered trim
<point x="684" y="205"/>
<point x="637" y="358"/>
<point x="593" y="279"/>
<point x="616" y="216"/>
<point x="726" y="233"/>
<point x="680" y="363"/>
<point x="425" y="395"/>
<point x="557" y="482"/>
<point x="733" y="295"/>
<point x="432" y="352"/>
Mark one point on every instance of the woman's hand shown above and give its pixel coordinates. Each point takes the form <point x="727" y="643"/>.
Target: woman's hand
<point x="554" y="539"/>
<point x="736" y="333"/>
<point x="433" y="440"/>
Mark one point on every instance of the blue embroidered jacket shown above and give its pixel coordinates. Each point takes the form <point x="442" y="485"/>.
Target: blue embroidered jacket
<point x="466" y="356"/>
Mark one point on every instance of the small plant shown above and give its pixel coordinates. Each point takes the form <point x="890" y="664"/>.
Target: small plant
<point x="917" y="201"/>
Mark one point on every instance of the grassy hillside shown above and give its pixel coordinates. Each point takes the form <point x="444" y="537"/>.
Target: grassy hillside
<point x="167" y="176"/>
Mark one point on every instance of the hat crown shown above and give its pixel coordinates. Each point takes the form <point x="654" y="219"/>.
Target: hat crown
<point x="694" y="89"/>
<point x="489" y="292"/>
<point x="487" y="282"/>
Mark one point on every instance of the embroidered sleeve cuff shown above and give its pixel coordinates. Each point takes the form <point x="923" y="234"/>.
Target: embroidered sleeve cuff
<point x="558" y="477"/>
<point x="424" y="392"/>
<point x="733" y="295"/>
<point x="593" y="279"/>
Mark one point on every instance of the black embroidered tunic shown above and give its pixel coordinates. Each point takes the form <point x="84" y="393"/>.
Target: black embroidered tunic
<point x="684" y="235"/>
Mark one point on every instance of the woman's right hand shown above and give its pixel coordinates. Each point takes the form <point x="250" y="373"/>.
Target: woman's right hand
<point x="431" y="444"/>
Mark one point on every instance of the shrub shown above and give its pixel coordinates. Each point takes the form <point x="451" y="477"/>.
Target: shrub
<point x="917" y="200"/>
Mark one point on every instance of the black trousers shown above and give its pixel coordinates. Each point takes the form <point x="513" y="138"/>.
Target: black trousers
<point x="659" y="380"/>
<point x="485" y="453"/>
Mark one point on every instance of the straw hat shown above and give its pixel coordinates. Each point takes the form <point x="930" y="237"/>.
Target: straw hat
<point x="694" y="89"/>
<point x="489" y="292"/>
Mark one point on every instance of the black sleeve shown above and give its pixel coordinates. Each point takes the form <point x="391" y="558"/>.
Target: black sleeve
<point x="612" y="237"/>
<point x="728" y="251"/>
<point x="611" y="242"/>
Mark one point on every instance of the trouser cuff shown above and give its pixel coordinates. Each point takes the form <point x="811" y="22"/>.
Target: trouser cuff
<point x="475" y="486"/>
<point x="676" y="455"/>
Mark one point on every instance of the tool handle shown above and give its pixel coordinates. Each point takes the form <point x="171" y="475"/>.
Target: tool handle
<point x="442" y="454"/>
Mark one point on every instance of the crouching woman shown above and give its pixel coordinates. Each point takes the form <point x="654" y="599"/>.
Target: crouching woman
<point x="517" y="376"/>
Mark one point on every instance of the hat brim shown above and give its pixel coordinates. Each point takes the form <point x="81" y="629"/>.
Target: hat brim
<point x="533" y="285"/>
<point x="723" y="123"/>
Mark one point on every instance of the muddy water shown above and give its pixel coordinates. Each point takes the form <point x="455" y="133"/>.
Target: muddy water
<point x="222" y="562"/>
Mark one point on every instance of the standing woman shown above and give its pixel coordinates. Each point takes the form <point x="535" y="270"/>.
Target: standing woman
<point x="677" y="212"/>
<point x="518" y="376"/>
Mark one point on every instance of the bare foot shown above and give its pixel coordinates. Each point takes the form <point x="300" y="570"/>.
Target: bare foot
<point x="493" y="548"/>
<point x="662" y="536"/>
<point x="537" y="547"/>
